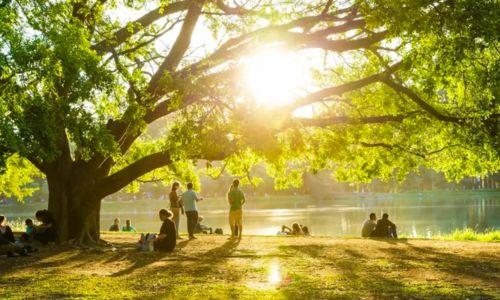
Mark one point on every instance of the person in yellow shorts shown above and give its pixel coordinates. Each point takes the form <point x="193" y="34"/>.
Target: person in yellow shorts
<point x="236" y="200"/>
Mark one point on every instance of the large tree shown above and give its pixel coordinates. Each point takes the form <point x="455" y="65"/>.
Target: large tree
<point x="400" y="84"/>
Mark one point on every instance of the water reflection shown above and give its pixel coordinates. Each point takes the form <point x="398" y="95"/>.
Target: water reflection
<point x="274" y="273"/>
<point x="414" y="217"/>
<point x="424" y="215"/>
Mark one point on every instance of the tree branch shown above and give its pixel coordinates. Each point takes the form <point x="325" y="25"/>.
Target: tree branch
<point x="180" y="46"/>
<point x="416" y="99"/>
<point x="341" y="89"/>
<point x="323" y="122"/>
<point x="133" y="27"/>
<point x="118" y="180"/>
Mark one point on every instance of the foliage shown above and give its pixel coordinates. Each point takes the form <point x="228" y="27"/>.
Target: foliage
<point x="18" y="180"/>
<point x="79" y="77"/>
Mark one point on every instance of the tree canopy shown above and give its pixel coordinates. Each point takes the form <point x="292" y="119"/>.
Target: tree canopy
<point x="396" y="85"/>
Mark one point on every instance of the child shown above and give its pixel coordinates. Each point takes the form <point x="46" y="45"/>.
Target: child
<point x="29" y="226"/>
<point x="27" y="236"/>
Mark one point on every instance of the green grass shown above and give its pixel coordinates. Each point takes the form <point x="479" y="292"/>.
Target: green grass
<point x="468" y="234"/>
<point x="259" y="268"/>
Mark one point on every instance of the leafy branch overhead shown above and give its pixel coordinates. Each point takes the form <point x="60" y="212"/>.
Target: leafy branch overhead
<point x="397" y="84"/>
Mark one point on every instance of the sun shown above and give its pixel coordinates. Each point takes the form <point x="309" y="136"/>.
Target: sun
<point x="276" y="78"/>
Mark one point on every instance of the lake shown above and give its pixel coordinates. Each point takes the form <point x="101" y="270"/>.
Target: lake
<point x="415" y="214"/>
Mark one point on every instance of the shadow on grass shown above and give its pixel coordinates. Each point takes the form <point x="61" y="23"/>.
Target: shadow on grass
<point x="346" y="272"/>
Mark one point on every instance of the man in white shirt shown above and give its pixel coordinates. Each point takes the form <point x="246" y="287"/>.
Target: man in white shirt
<point x="369" y="225"/>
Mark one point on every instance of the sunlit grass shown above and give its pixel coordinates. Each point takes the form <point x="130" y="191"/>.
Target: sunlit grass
<point x="469" y="234"/>
<point x="258" y="267"/>
<point x="465" y="234"/>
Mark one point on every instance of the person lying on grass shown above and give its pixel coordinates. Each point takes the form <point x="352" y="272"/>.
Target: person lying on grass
<point x="296" y="230"/>
<point x="166" y="240"/>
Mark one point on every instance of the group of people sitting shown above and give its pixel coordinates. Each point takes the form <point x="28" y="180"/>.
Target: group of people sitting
<point x="127" y="228"/>
<point x="379" y="228"/>
<point x="44" y="233"/>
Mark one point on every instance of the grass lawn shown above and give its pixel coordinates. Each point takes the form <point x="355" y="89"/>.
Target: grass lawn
<point x="260" y="268"/>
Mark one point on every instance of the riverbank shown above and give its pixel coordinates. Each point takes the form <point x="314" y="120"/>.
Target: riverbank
<point x="260" y="268"/>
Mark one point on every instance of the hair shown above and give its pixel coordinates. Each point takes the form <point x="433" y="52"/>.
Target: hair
<point x="127" y="221"/>
<point x="165" y="212"/>
<point x="236" y="183"/>
<point x="190" y="185"/>
<point x="385" y="216"/>
<point x="28" y="222"/>
<point x="175" y="186"/>
<point x="296" y="228"/>
<point x="117" y="220"/>
<point x="42" y="214"/>
<point x="2" y="218"/>
<point x="305" y="230"/>
<point x="373" y="215"/>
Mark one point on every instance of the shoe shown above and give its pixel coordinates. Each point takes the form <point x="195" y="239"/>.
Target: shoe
<point x="193" y="238"/>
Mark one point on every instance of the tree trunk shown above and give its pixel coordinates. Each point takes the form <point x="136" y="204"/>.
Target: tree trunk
<point x="75" y="209"/>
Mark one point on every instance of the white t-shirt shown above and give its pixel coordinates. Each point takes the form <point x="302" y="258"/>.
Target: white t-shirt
<point x="368" y="227"/>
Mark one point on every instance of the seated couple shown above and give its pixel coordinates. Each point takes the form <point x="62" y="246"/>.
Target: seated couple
<point x="296" y="230"/>
<point x="381" y="228"/>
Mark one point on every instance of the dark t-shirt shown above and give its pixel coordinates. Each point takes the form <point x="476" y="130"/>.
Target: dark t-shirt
<point x="7" y="236"/>
<point x="48" y="234"/>
<point x="382" y="229"/>
<point x="114" y="227"/>
<point x="168" y="242"/>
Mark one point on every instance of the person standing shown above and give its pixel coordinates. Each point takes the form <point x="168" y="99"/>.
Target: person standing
<point x="236" y="200"/>
<point x="369" y="225"/>
<point x="176" y="207"/>
<point x="189" y="199"/>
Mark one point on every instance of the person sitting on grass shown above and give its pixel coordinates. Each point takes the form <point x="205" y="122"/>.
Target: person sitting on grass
<point x="296" y="230"/>
<point x="166" y="240"/>
<point x="369" y="226"/>
<point x="128" y="227"/>
<point x="202" y="228"/>
<point x="27" y="236"/>
<point x="47" y="232"/>
<point x="115" y="226"/>
<point x="7" y="241"/>
<point x="385" y="228"/>
<point x="5" y="232"/>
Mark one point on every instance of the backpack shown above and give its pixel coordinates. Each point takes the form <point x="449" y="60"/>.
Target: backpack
<point x="218" y="231"/>
<point x="146" y="242"/>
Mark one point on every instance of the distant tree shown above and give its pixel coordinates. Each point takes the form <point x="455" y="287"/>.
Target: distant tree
<point x="403" y="83"/>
